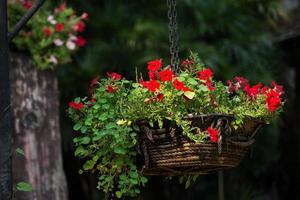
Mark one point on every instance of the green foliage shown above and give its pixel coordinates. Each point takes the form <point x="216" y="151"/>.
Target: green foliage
<point x="51" y="37"/>
<point x="24" y="187"/>
<point x="107" y="121"/>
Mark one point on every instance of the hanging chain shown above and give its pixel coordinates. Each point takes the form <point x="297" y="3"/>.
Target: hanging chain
<point x="173" y="35"/>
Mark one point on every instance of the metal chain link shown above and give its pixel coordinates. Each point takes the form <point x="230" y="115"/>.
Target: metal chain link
<point x="173" y="35"/>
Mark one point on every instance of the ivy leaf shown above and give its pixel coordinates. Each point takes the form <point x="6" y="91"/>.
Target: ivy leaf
<point x="119" y="194"/>
<point x="192" y="81"/>
<point x="189" y="94"/>
<point x="85" y="140"/>
<point x="20" y="151"/>
<point x="77" y="126"/>
<point x="24" y="187"/>
<point x="203" y="88"/>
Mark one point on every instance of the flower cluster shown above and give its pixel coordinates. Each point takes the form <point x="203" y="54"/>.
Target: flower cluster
<point x="108" y="118"/>
<point x="51" y="37"/>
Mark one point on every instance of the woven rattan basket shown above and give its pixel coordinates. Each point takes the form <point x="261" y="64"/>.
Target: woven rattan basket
<point x="168" y="152"/>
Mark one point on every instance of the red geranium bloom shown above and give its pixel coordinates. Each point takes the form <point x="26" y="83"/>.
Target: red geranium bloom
<point x="76" y="106"/>
<point x="273" y="100"/>
<point x="152" y="85"/>
<point x="160" y="97"/>
<point x="152" y="75"/>
<point x="47" y="31"/>
<point x="277" y="88"/>
<point x="91" y="101"/>
<point x="178" y="85"/>
<point x="114" y="75"/>
<point x="80" y="41"/>
<point x="79" y="27"/>
<point x="241" y="82"/>
<point x="166" y="75"/>
<point x="252" y="92"/>
<point x="110" y="89"/>
<point x="209" y="85"/>
<point x="59" y="27"/>
<point x="154" y="65"/>
<point x="214" y="134"/>
<point x="205" y="74"/>
<point x="94" y="81"/>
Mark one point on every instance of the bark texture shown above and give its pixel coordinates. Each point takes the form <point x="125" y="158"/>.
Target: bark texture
<point x="35" y="105"/>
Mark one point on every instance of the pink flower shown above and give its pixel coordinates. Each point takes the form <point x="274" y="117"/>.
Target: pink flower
<point x="84" y="16"/>
<point x="79" y="27"/>
<point x="71" y="45"/>
<point x="58" y="42"/>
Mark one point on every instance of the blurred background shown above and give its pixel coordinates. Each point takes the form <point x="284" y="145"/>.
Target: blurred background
<point x="259" y="39"/>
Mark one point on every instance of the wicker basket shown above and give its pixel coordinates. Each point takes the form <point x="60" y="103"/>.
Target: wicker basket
<point x="167" y="152"/>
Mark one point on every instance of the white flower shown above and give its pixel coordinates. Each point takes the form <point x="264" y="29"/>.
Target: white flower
<point x="58" y="42"/>
<point x="53" y="59"/>
<point x="51" y="19"/>
<point x="71" y="45"/>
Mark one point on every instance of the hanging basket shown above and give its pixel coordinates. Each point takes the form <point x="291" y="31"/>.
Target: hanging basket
<point x="168" y="152"/>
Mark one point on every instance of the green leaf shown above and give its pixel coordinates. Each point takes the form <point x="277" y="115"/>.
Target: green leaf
<point x="85" y="140"/>
<point x="203" y="88"/>
<point x="24" y="187"/>
<point x="189" y="94"/>
<point x="192" y="81"/>
<point x="77" y="126"/>
<point x="20" y="151"/>
<point x="119" y="194"/>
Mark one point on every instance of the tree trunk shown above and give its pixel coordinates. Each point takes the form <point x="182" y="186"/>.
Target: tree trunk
<point x="35" y="104"/>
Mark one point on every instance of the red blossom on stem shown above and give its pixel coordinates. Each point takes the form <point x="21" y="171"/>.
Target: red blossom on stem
<point x="79" y="27"/>
<point x="180" y="86"/>
<point x="27" y="4"/>
<point x="110" y="89"/>
<point x="205" y="74"/>
<point x="160" y="97"/>
<point x="154" y="65"/>
<point x="151" y="85"/>
<point x="61" y="7"/>
<point x="214" y="134"/>
<point x="252" y="92"/>
<point x="76" y="106"/>
<point x="59" y="27"/>
<point x="273" y="100"/>
<point x="166" y="75"/>
<point x="114" y="75"/>
<point x="80" y="41"/>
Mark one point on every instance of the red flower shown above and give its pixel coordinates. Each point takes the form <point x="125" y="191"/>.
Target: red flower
<point x="152" y="75"/>
<point x="27" y="4"/>
<point x="154" y="65"/>
<point x="94" y="81"/>
<point x="59" y="27"/>
<point x="273" y="100"/>
<point x="110" y="89"/>
<point x="178" y="85"/>
<point x="79" y="27"/>
<point x="241" y="82"/>
<point x="114" y="75"/>
<point x="205" y="74"/>
<point x="214" y="134"/>
<point x="152" y="85"/>
<point x="47" y="31"/>
<point x="252" y="92"/>
<point x="160" y="97"/>
<point x="187" y="62"/>
<point x="209" y="85"/>
<point x="76" y="106"/>
<point x="277" y="88"/>
<point x="85" y="16"/>
<point x="91" y="101"/>
<point x="166" y="75"/>
<point x="80" y="41"/>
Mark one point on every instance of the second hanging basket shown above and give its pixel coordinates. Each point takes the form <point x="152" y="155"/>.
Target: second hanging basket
<point x="166" y="151"/>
